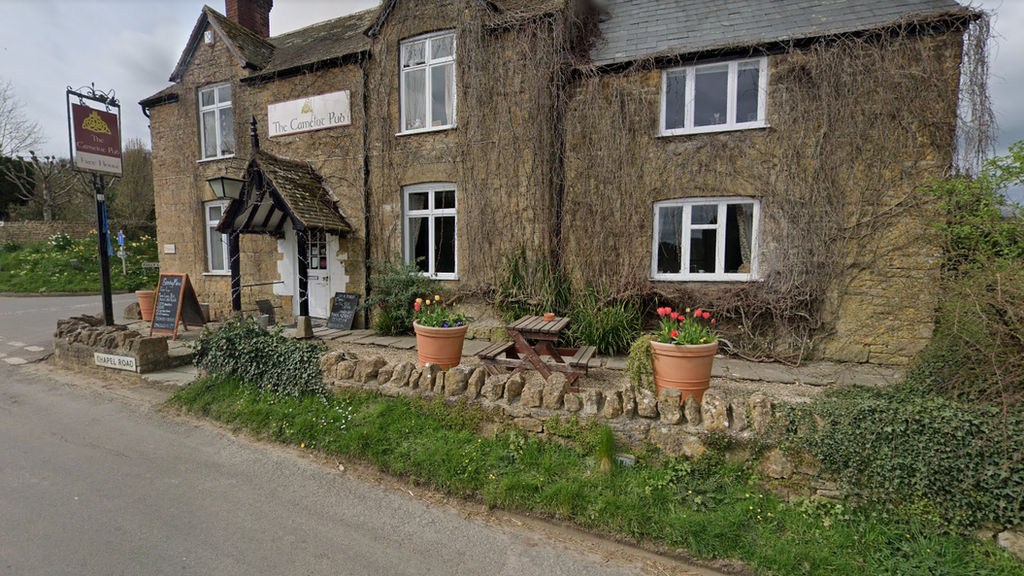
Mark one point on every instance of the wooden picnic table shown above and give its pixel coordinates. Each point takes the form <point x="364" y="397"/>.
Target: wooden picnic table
<point x="533" y="337"/>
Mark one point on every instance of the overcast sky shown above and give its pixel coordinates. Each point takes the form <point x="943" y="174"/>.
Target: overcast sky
<point x="133" y="45"/>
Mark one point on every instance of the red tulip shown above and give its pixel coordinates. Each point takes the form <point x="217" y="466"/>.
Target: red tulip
<point x="697" y="313"/>
<point x="661" y="311"/>
<point x="675" y="333"/>
<point x="712" y="320"/>
<point x="416" y="306"/>
<point x="675" y="315"/>
<point x="707" y="315"/>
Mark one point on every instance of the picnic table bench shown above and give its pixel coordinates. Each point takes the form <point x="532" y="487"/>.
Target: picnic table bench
<point x="532" y="338"/>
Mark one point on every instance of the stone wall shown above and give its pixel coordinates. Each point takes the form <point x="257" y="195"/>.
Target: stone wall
<point x="513" y="127"/>
<point x="28" y="231"/>
<point x="180" y="176"/>
<point x="878" y="244"/>
<point x="636" y="417"/>
<point x="78" y="338"/>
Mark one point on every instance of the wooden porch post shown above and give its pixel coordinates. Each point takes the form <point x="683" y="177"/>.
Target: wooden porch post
<point x="303" y="250"/>
<point x="236" y="271"/>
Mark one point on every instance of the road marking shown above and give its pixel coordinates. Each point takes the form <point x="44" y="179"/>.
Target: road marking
<point x="14" y="361"/>
<point x="34" y="348"/>
<point x="15" y="343"/>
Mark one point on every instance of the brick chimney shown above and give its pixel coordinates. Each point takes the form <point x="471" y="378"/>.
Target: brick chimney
<point x="251" y="14"/>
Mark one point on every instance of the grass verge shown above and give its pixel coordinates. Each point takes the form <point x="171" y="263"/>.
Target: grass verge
<point x="710" y="508"/>
<point x="42" y="267"/>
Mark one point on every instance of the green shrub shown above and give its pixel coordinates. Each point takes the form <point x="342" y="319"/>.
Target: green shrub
<point x="609" y="325"/>
<point x="531" y="288"/>
<point x="977" y="353"/>
<point x="61" y="242"/>
<point x="638" y="365"/>
<point x="960" y="462"/>
<point x="264" y="360"/>
<point x="534" y="287"/>
<point x="11" y="246"/>
<point x="394" y="289"/>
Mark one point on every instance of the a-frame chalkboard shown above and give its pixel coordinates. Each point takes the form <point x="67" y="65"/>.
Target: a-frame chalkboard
<point x="175" y="302"/>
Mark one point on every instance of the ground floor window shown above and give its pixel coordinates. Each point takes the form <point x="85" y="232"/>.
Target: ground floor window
<point x="705" y="239"/>
<point x="217" y="259"/>
<point x="429" y="229"/>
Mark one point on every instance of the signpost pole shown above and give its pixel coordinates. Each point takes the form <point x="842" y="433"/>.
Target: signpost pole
<point x="99" y="186"/>
<point x="94" y="138"/>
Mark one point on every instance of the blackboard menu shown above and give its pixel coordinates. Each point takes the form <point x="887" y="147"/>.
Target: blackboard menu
<point x="343" y="311"/>
<point x="175" y="302"/>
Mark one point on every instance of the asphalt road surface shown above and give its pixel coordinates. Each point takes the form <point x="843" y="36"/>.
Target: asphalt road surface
<point x="27" y="323"/>
<point x="96" y="480"/>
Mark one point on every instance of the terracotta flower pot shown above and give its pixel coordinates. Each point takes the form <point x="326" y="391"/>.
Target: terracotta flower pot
<point x="441" y="346"/>
<point x="684" y="367"/>
<point x="146" y="303"/>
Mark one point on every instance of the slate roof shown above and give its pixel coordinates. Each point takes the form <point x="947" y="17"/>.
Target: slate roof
<point x="638" y="28"/>
<point x="303" y="191"/>
<point x="323" y="41"/>
<point x="250" y="50"/>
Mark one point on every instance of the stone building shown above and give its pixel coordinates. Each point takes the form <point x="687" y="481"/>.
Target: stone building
<point x="705" y="147"/>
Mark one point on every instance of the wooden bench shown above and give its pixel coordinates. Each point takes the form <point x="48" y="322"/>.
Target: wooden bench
<point x="582" y="357"/>
<point x="522" y="354"/>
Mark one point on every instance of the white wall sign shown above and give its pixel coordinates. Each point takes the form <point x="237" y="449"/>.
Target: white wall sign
<point x="309" y="114"/>
<point x="116" y="362"/>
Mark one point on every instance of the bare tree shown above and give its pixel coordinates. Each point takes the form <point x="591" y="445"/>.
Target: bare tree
<point x="17" y="131"/>
<point x="47" y="182"/>
<point x="131" y="196"/>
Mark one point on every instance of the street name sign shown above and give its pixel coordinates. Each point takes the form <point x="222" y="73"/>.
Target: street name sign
<point x="116" y="362"/>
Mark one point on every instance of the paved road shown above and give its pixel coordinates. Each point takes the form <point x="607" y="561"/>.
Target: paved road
<point x="93" y="480"/>
<point x="27" y="323"/>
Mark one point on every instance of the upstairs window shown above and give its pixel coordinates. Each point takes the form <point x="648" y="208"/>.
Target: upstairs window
<point x="428" y="82"/>
<point x="216" y="126"/>
<point x="706" y="239"/>
<point x="714" y="98"/>
<point x="430" y="229"/>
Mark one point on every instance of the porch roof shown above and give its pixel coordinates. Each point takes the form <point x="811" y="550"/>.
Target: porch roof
<point x="276" y="190"/>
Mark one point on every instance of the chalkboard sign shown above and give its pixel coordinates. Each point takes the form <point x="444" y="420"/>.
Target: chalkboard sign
<point x="175" y="302"/>
<point x="343" y="311"/>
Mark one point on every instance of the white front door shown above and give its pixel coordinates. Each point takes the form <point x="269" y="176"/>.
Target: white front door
<point x="318" y="273"/>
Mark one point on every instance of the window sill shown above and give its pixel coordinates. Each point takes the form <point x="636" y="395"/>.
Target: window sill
<point x="713" y="129"/>
<point x="214" y="159"/>
<point x="425" y="130"/>
<point x="218" y="274"/>
<point x="708" y="278"/>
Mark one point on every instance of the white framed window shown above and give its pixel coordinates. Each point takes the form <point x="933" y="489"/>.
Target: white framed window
<point x="216" y="124"/>
<point x="706" y="239"/>
<point x="430" y="239"/>
<point x="218" y="260"/>
<point x="428" y="82"/>
<point x="714" y="97"/>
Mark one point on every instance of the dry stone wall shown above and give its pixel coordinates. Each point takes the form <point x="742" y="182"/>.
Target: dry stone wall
<point x="28" y="231"/>
<point x="636" y="417"/>
<point x="78" y="338"/>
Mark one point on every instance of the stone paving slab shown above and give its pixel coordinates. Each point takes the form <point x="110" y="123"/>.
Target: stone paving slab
<point x="356" y="335"/>
<point x="614" y="362"/>
<point x="472" y="347"/>
<point x="406" y="343"/>
<point x="383" y="341"/>
<point x="180" y="376"/>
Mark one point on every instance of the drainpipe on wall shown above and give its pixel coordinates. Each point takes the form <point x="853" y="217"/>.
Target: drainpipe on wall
<point x="363" y="58"/>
